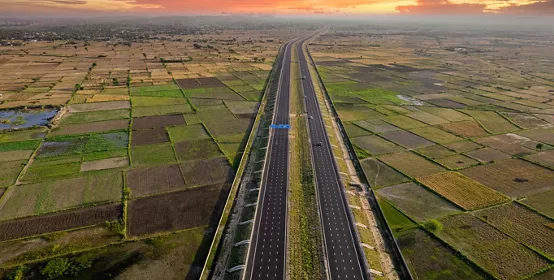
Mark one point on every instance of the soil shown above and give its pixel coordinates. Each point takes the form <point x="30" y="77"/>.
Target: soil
<point x="152" y="180"/>
<point x="203" y="172"/>
<point x="176" y="211"/>
<point x="149" y="136"/>
<point x="59" y="221"/>
<point x="102" y="164"/>
<point x="158" y="121"/>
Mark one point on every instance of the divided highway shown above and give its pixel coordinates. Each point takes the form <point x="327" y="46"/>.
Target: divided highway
<point x="267" y="254"/>
<point x="344" y="260"/>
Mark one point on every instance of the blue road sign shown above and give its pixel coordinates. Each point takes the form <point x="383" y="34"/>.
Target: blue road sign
<point x="285" y="126"/>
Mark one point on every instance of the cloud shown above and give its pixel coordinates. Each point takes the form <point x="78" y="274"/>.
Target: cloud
<point x="441" y="7"/>
<point x="538" y="8"/>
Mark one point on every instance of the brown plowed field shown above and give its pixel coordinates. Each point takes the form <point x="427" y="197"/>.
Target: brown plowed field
<point x="465" y="129"/>
<point x="188" y="83"/>
<point x="513" y="177"/>
<point x="158" y="121"/>
<point x="149" y="136"/>
<point x="176" y="211"/>
<point x="59" y="221"/>
<point x="203" y="172"/>
<point x="152" y="180"/>
<point x="210" y="82"/>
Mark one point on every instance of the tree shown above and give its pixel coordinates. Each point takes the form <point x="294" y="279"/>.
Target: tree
<point x="539" y="146"/>
<point x="433" y="226"/>
<point x="55" y="268"/>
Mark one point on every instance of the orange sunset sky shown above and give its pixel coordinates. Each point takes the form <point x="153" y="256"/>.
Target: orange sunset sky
<point x="284" y="7"/>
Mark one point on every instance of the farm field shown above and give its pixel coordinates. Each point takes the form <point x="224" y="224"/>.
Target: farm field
<point x="449" y="128"/>
<point x="430" y="259"/>
<point x="130" y="144"/>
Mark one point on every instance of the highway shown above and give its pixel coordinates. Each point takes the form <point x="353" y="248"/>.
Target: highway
<point x="344" y="259"/>
<point x="267" y="253"/>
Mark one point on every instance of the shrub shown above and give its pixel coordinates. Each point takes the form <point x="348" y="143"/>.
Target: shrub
<point x="433" y="226"/>
<point x="55" y="268"/>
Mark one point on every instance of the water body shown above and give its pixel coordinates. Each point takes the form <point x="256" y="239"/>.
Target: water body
<point x="11" y="119"/>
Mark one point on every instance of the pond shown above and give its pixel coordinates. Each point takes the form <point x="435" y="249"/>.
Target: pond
<point x="11" y="119"/>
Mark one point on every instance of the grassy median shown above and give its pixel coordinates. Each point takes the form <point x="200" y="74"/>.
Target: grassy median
<point x="305" y="248"/>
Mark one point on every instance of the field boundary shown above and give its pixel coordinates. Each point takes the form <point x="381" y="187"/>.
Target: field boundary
<point x="403" y="269"/>
<point x="214" y="249"/>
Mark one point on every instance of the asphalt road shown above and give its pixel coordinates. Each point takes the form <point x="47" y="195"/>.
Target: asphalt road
<point x="343" y="257"/>
<point x="267" y="256"/>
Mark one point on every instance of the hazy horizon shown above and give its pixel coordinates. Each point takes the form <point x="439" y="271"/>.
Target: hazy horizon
<point x="55" y="8"/>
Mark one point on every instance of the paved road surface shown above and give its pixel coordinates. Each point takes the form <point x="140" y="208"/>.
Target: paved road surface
<point x="344" y="258"/>
<point x="266" y="259"/>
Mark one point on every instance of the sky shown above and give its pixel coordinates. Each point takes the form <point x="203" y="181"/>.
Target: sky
<point x="277" y="7"/>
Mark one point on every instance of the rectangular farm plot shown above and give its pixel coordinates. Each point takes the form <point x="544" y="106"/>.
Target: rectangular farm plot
<point x="170" y="90"/>
<point x="380" y="175"/>
<point x="436" y="135"/>
<point x="9" y="172"/>
<point x="45" y="197"/>
<point x="417" y="202"/>
<point x="152" y="154"/>
<point x="427" y="118"/>
<point x="376" y="145"/>
<point x="209" y="171"/>
<point x="99" y="106"/>
<point x="523" y="225"/>
<point x="513" y="177"/>
<point x="543" y="158"/>
<point x="488" y="155"/>
<point x="403" y="122"/>
<point x="65" y="220"/>
<point x="447" y="114"/>
<point x="411" y="164"/>
<point x="196" y="149"/>
<point x="462" y="191"/>
<point x="93" y="127"/>
<point x="376" y="126"/>
<point x="149" y="136"/>
<point x="456" y="162"/>
<point x="158" y="121"/>
<point x="187" y="132"/>
<point x="154" y="180"/>
<point x="95" y="116"/>
<point x="102" y="164"/>
<point x="541" y="135"/>
<point x="354" y="131"/>
<point x="492" y="121"/>
<point x="463" y="146"/>
<point x="466" y="129"/>
<point x="149" y="101"/>
<point x="161" y="110"/>
<point x="174" y="211"/>
<point x="430" y="259"/>
<point x="509" y="143"/>
<point x="229" y="127"/>
<point x="542" y="202"/>
<point x="497" y="253"/>
<point x="406" y="139"/>
<point x="435" y="151"/>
